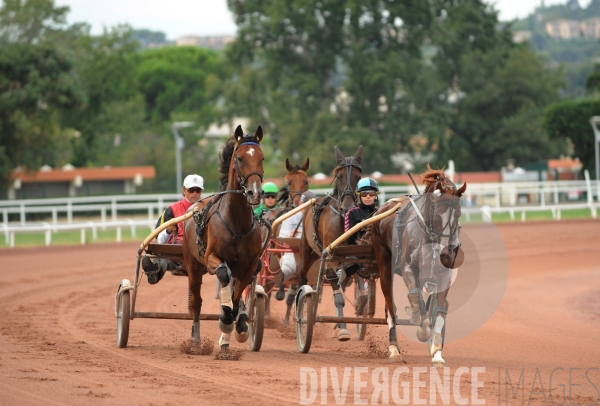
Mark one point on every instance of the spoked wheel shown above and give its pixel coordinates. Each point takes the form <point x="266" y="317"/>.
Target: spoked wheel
<point x="257" y="327"/>
<point x="305" y="323"/>
<point x="123" y="313"/>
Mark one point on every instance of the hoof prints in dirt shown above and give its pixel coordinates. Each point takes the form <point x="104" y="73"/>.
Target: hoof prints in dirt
<point x="230" y="354"/>
<point x="272" y="322"/>
<point x="287" y="332"/>
<point x="204" y="347"/>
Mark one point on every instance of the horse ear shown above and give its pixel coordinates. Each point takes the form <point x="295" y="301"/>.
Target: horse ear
<point x="259" y="134"/>
<point x="239" y="133"/>
<point x="288" y="166"/>
<point x="338" y="156"/>
<point x="359" y="154"/>
<point x="306" y="165"/>
<point x="462" y="189"/>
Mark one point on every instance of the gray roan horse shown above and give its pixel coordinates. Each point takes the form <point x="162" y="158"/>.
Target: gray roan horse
<point x="420" y="243"/>
<point x="224" y="238"/>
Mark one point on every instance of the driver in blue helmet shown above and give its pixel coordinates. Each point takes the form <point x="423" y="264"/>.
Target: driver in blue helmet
<point x="367" y="189"/>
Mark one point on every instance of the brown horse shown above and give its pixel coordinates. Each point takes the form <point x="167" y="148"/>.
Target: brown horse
<point x="325" y="222"/>
<point x="427" y="227"/>
<point x="224" y="238"/>
<point x="296" y="183"/>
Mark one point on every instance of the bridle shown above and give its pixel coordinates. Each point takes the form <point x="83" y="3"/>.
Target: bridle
<point x="428" y="226"/>
<point x="293" y="193"/>
<point x="243" y="179"/>
<point x="347" y="164"/>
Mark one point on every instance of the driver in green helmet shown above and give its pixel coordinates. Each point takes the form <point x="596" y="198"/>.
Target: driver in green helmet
<point x="269" y="198"/>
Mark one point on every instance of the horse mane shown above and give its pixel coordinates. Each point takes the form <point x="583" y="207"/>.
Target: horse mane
<point x="430" y="177"/>
<point x="283" y="194"/>
<point x="366" y="238"/>
<point x="227" y="153"/>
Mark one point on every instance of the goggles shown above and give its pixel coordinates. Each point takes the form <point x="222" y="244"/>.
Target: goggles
<point x="270" y="196"/>
<point x="369" y="193"/>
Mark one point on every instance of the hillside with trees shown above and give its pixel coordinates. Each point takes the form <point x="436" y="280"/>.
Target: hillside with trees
<point x="414" y="82"/>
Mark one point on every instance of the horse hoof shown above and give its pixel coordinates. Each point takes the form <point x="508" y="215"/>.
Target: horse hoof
<point x="343" y="335"/>
<point x="225" y="328"/>
<point x="224" y="347"/>
<point x="424" y="332"/>
<point x="395" y="355"/>
<point x="241" y="337"/>
<point x="437" y="361"/>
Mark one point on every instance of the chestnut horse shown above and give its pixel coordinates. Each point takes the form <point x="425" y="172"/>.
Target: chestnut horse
<point x="325" y="222"/>
<point x="224" y="238"/>
<point x="416" y="235"/>
<point x="296" y="183"/>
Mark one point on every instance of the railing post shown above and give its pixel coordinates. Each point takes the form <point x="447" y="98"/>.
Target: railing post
<point x="103" y="217"/>
<point x="83" y="236"/>
<point x="69" y="211"/>
<point x="118" y="234"/>
<point x="94" y="230"/>
<point x="114" y="209"/>
<point x="23" y="214"/>
<point x="48" y="234"/>
<point x="523" y="216"/>
<point x="12" y="239"/>
<point x="54" y="216"/>
<point x="558" y="213"/>
<point x="556" y="192"/>
<point x="150" y="212"/>
<point x="5" y="217"/>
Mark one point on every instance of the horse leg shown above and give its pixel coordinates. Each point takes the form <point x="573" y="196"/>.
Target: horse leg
<point x="415" y="297"/>
<point x="338" y="299"/>
<point x="195" y="304"/>
<point x="241" y="326"/>
<point x="223" y="273"/>
<point x="436" y="341"/>
<point x="291" y="294"/>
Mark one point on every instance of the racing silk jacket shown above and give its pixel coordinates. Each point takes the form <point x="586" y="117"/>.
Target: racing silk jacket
<point x="175" y="210"/>
<point x="355" y="216"/>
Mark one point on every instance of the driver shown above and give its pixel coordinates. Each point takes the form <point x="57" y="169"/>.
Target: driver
<point x="155" y="269"/>
<point x="270" y="198"/>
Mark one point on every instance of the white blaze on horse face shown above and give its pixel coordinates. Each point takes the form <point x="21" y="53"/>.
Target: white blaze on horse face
<point x="255" y="188"/>
<point x="250" y="152"/>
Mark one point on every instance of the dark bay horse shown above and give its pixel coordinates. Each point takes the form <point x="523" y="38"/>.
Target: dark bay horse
<point x="423" y="233"/>
<point x="224" y="238"/>
<point x="325" y="222"/>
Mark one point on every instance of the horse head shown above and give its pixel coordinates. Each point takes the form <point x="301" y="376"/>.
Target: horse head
<point x="296" y="181"/>
<point x="445" y="212"/>
<point x="247" y="163"/>
<point x="346" y="176"/>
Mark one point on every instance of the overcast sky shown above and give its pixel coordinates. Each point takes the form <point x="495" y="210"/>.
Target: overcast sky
<point x="177" y="18"/>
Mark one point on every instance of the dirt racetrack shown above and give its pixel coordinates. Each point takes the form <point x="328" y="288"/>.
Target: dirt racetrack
<point x="58" y="346"/>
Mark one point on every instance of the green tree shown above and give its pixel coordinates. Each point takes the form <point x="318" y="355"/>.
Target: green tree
<point x="35" y="86"/>
<point x="30" y="21"/>
<point x="571" y="120"/>
<point x="176" y="79"/>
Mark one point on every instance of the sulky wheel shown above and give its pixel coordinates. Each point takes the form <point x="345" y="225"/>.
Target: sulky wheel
<point x="305" y="323"/>
<point x="123" y="314"/>
<point x="256" y="328"/>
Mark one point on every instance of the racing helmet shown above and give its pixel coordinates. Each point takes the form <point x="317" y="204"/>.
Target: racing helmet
<point x="270" y="187"/>
<point x="367" y="184"/>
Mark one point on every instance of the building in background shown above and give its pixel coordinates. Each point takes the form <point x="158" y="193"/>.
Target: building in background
<point x="210" y="42"/>
<point x="70" y="182"/>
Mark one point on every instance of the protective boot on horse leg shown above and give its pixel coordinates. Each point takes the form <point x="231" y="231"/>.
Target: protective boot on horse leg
<point x="241" y="326"/>
<point x="290" y="297"/>
<point x="227" y="317"/>
<point x="435" y="343"/>
<point x="338" y="280"/>
<point x="415" y="298"/>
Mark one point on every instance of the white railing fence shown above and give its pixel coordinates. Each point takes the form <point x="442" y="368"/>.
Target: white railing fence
<point x="491" y="198"/>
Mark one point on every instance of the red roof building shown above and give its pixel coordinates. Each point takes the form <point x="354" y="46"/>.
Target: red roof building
<point x="71" y="181"/>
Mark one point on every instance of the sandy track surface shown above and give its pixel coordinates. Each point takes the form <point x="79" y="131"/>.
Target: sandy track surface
<point x="58" y="345"/>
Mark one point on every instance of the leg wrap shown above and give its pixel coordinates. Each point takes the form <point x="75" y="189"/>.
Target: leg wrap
<point x="224" y="340"/>
<point x="223" y="274"/>
<point x="338" y="299"/>
<point x="291" y="295"/>
<point x="417" y="291"/>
